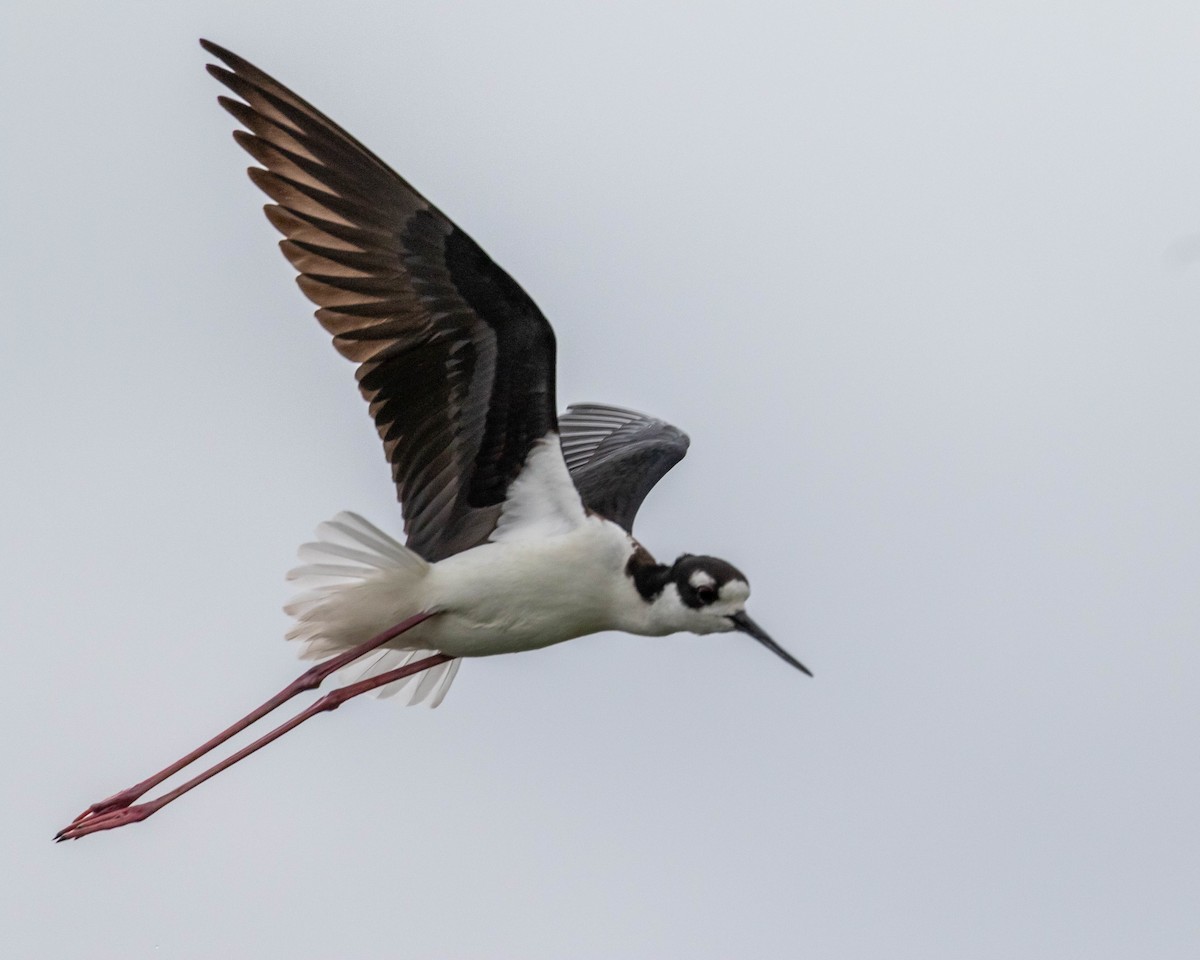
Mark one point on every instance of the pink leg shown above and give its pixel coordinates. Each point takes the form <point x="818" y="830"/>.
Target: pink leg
<point x="331" y="701"/>
<point x="309" y="680"/>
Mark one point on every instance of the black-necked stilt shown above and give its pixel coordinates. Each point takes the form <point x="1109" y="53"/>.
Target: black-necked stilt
<point x="519" y="522"/>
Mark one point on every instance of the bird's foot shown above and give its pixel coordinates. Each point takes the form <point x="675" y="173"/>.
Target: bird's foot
<point x="108" y="818"/>
<point x="118" y="801"/>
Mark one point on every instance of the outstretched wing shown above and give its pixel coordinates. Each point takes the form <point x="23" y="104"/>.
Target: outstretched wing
<point x="616" y="457"/>
<point x="454" y="358"/>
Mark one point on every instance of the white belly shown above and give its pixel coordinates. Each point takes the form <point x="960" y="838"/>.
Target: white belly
<point x="521" y="595"/>
<point x="501" y="597"/>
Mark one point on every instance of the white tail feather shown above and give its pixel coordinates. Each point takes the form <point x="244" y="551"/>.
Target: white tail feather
<point x="448" y="672"/>
<point x="349" y="528"/>
<point x="356" y="581"/>
<point x="436" y="679"/>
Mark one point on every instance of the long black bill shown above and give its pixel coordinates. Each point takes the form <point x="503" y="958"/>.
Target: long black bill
<point x="746" y="625"/>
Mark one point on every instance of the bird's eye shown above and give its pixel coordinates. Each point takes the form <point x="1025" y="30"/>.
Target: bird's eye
<point x="706" y="594"/>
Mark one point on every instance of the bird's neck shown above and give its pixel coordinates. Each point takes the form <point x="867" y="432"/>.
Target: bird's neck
<point x="648" y="576"/>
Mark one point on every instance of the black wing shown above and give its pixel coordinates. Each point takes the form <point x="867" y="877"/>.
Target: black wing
<point x="454" y="358"/>
<point x="616" y="457"/>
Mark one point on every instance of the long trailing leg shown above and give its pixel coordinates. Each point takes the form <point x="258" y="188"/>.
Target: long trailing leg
<point x="309" y="680"/>
<point x="331" y="701"/>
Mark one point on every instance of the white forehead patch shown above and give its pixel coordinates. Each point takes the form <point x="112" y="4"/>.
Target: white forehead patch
<point x="735" y="591"/>
<point x="701" y="578"/>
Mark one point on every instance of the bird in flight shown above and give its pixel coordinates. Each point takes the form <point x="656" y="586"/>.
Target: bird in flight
<point x="518" y="520"/>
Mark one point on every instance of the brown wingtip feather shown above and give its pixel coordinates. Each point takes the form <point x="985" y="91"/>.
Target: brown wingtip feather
<point x="426" y="314"/>
<point x="231" y="59"/>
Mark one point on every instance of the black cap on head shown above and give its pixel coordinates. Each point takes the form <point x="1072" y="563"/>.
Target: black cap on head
<point x="699" y="579"/>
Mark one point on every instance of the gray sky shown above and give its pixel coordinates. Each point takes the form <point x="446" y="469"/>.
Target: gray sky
<point x="918" y="279"/>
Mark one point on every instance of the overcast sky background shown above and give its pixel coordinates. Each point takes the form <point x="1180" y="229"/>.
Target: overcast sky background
<point x="921" y="280"/>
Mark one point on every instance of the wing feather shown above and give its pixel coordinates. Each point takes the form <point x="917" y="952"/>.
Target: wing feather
<point x="616" y="456"/>
<point x="455" y="360"/>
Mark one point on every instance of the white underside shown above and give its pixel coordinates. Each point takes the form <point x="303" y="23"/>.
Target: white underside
<point x="353" y="561"/>
<point x="549" y="574"/>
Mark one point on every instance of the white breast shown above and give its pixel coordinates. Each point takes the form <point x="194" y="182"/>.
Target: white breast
<point x="515" y="594"/>
<point x="521" y="594"/>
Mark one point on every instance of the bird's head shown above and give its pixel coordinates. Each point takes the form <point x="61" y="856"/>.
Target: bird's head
<point x="708" y="595"/>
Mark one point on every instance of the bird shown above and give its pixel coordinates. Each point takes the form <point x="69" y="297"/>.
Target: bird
<point x="518" y="521"/>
